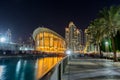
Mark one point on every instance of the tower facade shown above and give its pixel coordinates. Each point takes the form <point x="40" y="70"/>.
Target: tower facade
<point x="9" y="35"/>
<point x="73" y="37"/>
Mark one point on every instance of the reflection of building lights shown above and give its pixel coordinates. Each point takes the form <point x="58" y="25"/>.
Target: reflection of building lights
<point x="2" y="71"/>
<point x="18" y="66"/>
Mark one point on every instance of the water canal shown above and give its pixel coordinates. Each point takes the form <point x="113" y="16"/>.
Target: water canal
<point x="26" y="68"/>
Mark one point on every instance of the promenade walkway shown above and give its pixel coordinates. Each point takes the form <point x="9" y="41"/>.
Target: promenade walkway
<point x="92" y="69"/>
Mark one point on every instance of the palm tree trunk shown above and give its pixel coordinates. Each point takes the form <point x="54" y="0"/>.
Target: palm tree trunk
<point x="114" y="49"/>
<point x="101" y="55"/>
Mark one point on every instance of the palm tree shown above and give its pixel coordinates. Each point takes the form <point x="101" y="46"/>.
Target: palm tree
<point x="95" y="30"/>
<point x="111" y="17"/>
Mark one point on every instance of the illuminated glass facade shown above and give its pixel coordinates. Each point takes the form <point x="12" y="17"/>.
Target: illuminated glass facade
<point x="47" y="40"/>
<point x="73" y="37"/>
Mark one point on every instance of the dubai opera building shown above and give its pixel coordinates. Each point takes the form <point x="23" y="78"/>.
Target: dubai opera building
<point x="47" y="40"/>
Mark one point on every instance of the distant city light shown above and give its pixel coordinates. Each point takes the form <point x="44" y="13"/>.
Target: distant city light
<point x="2" y="39"/>
<point x="26" y="49"/>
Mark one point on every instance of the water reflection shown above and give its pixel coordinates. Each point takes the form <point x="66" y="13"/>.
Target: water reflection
<point x="44" y="65"/>
<point x="25" y="69"/>
<point x="2" y="72"/>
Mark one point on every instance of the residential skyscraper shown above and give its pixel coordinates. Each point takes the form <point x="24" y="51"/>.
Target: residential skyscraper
<point x="73" y="37"/>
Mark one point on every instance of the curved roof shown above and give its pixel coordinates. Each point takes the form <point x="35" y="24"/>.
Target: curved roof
<point x="43" y="29"/>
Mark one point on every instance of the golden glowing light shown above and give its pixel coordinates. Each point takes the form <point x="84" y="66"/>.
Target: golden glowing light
<point x="48" y="41"/>
<point x="45" y="64"/>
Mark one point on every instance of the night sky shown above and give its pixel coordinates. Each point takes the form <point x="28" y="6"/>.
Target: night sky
<point x="22" y="17"/>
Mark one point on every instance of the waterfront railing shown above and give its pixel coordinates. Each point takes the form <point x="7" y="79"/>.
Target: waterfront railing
<point x="57" y="71"/>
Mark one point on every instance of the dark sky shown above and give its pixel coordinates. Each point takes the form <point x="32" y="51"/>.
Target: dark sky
<point x="24" y="16"/>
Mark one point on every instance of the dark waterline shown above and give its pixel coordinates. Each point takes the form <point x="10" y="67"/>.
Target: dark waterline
<point x="25" y="69"/>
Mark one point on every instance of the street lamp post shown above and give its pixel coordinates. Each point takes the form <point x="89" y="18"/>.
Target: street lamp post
<point x="68" y="52"/>
<point x="106" y="48"/>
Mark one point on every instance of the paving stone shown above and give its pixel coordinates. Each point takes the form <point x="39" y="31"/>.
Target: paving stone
<point x="92" y="69"/>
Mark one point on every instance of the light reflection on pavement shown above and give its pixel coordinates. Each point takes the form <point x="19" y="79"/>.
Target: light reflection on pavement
<point x="92" y="69"/>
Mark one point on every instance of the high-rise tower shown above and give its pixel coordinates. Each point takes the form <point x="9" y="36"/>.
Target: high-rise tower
<point x="8" y="34"/>
<point x="73" y="37"/>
